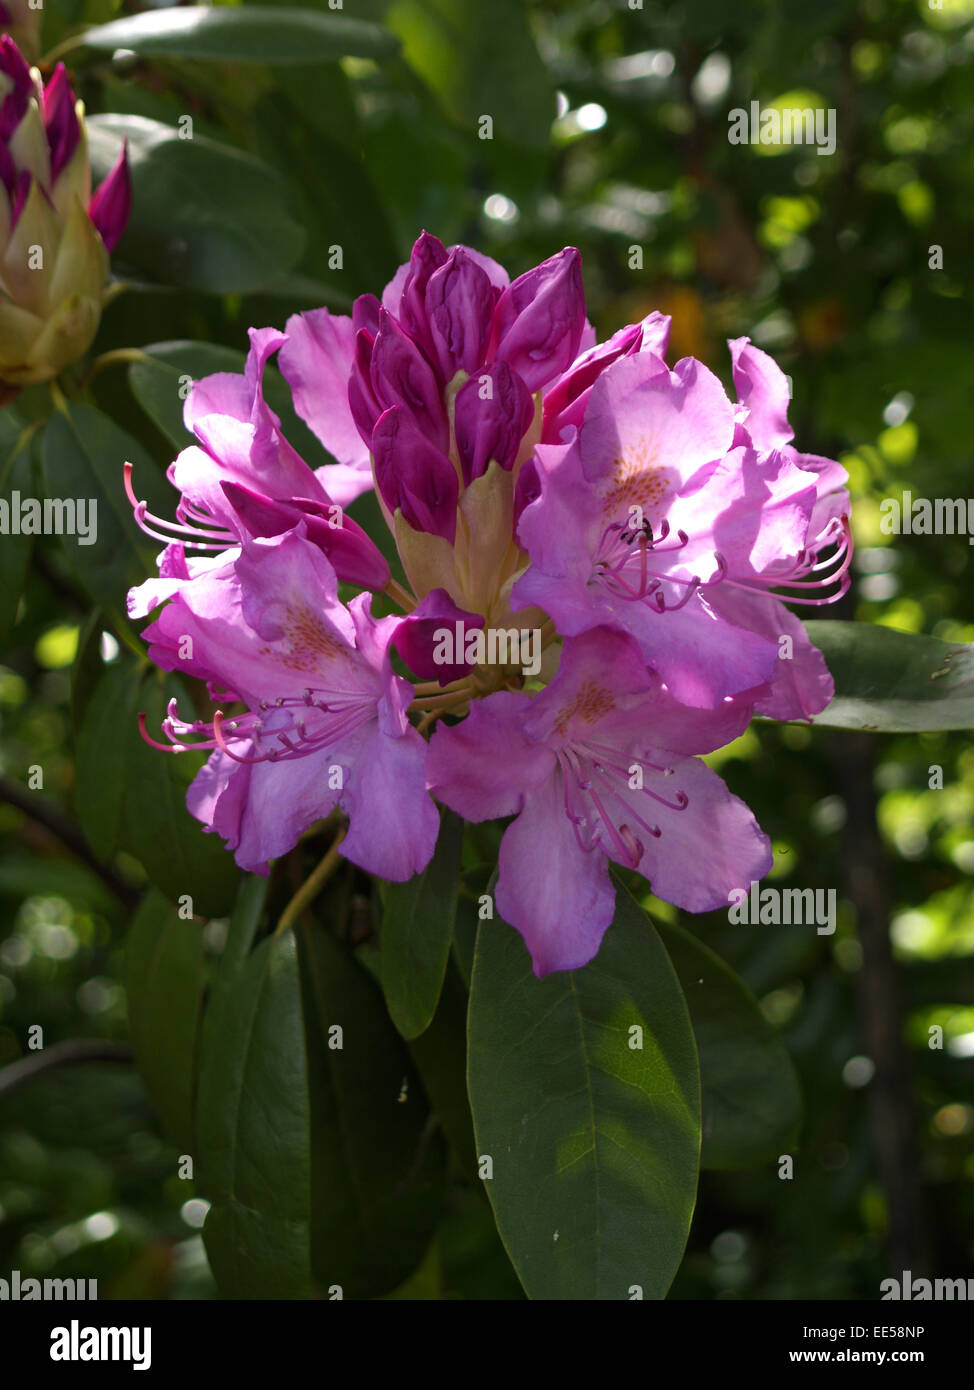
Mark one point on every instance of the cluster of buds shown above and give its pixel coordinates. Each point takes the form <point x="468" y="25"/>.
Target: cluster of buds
<point x="55" y="235"/>
<point x="631" y="526"/>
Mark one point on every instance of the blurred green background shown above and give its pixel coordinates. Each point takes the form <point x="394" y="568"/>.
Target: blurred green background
<point x="609" y="133"/>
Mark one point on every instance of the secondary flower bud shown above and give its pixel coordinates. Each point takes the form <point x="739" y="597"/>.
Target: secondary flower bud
<point x="22" y="21"/>
<point x="493" y="411"/>
<point x="539" y="319"/>
<point x="54" y="236"/>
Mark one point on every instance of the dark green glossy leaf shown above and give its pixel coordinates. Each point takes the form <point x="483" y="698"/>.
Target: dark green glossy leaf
<point x="377" y="1161"/>
<point x="133" y="797"/>
<point x="253" y="1117"/>
<point x="15" y="479"/>
<point x="204" y="215"/>
<point x="594" y="1142"/>
<point x="164" y="985"/>
<point x="894" y="682"/>
<point x="751" y="1102"/>
<point x="440" y="1054"/>
<point x="480" y="60"/>
<point x="417" y="927"/>
<point x="83" y="453"/>
<point x="162" y="382"/>
<point x="244" y="34"/>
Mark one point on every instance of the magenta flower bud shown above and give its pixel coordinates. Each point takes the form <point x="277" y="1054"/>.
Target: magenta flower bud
<point x="365" y="314"/>
<point x="361" y="398"/>
<point x="61" y="124"/>
<point x="492" y="414"/>
<point x="417" y="637"/>
<point x="355" y="558"/>
<point x="414" y="476"/>
<point x="402" y="376"/>
<point x="111" y="202"/>
<point x="459" y="304"/>
<point x="527" y="489"/>
<point x="564" y="403"/>
<point x="50" y="303"/>
<point x="539" y="320"/>
<point x="428" y="255"/>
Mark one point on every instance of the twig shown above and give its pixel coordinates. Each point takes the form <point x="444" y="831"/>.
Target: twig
<point x="65" y="1054"/>
<point x="69" y="834"/>
<point x="312" y="885"/>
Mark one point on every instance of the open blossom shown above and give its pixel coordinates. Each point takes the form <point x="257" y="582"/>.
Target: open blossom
<point x="641" y="529"/>
<point x="326" y="722"/>
<point x="55" y="235"/>
<point x="242" y="479"/>
<point x="659" y="517"/>
<point x="597" y="768"/>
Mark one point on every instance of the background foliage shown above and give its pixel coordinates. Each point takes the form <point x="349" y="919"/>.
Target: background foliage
<point x="824" y="261"/>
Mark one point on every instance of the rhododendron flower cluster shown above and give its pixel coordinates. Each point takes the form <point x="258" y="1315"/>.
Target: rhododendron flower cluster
<point x="647" y="530"/>
<point x="55" y="234"/>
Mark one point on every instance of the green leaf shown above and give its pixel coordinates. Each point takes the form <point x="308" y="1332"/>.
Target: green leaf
<point x="440" y="1054"/>
<point x="377" y="1163"/>
<point x="248" y="34"/>
<point x="253" y="1118"/>
<point x="164" y="984"/>
<point x="160" y="386"/>
<point x="15" y="477"/>
<point x="751" y="1102"/>
<point x="103" y="747"/>
<point x="894" y="682"/>
<point x="204" y="215"/>
<point x="83" y="452"/>
<point x="417" y="928"/>
<point x="480" y="59"/>
<point x="595" y="1143"/>
<point x="133" y="797"/>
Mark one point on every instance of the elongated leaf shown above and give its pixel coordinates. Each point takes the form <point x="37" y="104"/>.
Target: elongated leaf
<point x="248" y="34"/>
<point x="83" y="453"/>
<point x="480" y="60"/>
<point x="594" y="1141"/>
<point x="204" y="215"/>
<point x="161" y="385"/>
<point x="104" y="745"/>
<point x="377" y="1165"/>
<point x="130" y="796"/>
<point x="253" y="1121"/>
<point x="15" y="483"/>
<point x="440" y="1054"/>
<point x="164" y="984"/>
<point x="894" y="682"/>
<point x="751" y="1101"/>
<point x="417" y="927"/>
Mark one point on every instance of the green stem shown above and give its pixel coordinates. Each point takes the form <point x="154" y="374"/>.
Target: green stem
<point x="312" y="885"/>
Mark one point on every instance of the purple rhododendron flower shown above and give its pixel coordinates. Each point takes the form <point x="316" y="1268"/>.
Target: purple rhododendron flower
<point x="658" y="517"/>
<point x="599" y="551"/>
<point x="597" y="767"/>
<point x="326" y="721"/>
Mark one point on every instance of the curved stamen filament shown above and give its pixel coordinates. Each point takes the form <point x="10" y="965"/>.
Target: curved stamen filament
<point x="169" y="531"/>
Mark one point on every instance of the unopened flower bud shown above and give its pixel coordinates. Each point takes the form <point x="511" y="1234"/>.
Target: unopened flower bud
<point x="54" y="236"/>
<point x="539" y="320"/>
